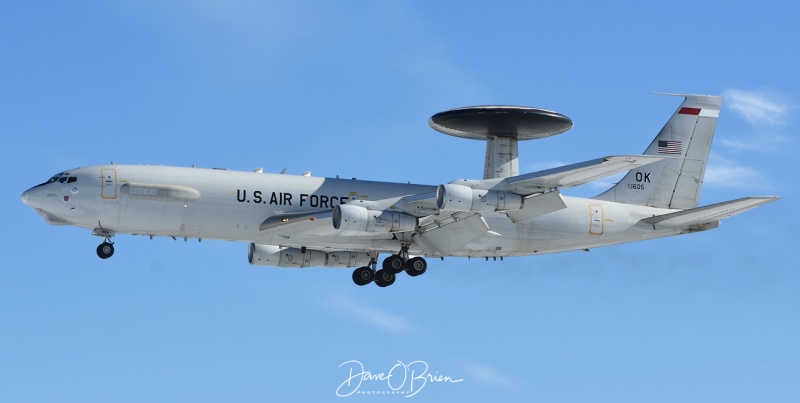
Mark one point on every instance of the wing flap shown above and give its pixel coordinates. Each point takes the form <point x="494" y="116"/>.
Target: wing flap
<point x="446" y="235"/>
<point x="538" y="205"/>
<point x="709" y="214"/>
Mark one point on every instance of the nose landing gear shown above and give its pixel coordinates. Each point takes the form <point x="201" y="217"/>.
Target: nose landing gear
<point x="106" y="249"/>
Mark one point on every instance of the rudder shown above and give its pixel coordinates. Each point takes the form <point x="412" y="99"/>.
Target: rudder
<point x="673" y="182"/>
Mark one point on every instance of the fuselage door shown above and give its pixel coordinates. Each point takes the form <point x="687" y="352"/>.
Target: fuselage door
<point x="108" y="185"/>
<point x="596" y="217"/>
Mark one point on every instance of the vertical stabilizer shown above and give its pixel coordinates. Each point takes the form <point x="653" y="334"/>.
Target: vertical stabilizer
<point x="674" y="182"/>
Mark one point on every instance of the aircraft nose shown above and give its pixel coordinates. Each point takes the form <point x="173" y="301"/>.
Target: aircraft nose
<point x="33" y="197"/>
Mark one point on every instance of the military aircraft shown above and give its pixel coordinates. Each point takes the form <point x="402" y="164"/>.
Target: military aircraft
<point x="305" y="221"/>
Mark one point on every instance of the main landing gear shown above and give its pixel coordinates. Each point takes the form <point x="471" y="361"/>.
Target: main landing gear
<point x="391" y="266"/>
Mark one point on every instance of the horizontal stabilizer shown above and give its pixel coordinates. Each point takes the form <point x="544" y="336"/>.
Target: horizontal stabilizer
<point x="574" y="174"/>
<point x="538" y="205"/>
<point x="708" y="214"/>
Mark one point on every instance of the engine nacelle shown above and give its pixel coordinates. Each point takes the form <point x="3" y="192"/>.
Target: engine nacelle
<point x="350" y="218"/>
<point x="345" y="259"/>
<point x="454" y="197"/>
<point x="271" y="255"/>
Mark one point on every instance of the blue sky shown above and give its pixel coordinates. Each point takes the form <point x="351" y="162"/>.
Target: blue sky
<point x="346" y="89"/>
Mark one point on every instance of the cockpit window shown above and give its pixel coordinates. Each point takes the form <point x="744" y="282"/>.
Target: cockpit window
<point x="63" y="177"/>
<point x="53" y="179"/>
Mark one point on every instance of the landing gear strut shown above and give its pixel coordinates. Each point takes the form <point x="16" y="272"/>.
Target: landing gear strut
<point x="106" y="249"/>
<point x="397" y="263"/>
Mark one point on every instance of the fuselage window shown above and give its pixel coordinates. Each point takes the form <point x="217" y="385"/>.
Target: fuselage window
<point x="72" y="179"/>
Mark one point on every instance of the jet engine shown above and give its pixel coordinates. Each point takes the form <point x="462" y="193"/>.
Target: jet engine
<point x="454" y="197"/>
<point x="352" y="218"/>
<point x="271" y="255"/>
<point x="345" y="259"/>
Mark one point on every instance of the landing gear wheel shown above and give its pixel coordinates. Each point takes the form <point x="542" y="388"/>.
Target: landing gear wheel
<point x="363" y="275"/>
<point x="416" y="266"/>
<point x="384" y="278"/>
<point x="394" y="263"/>
<point x="105" y="250"/>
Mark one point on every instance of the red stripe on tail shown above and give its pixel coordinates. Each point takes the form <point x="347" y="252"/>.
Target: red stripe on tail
<point x="689" y="111"/>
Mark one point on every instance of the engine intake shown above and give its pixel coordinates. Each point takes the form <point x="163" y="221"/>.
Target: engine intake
<point x="350" y="218"/>
<point x="454" y="197"/>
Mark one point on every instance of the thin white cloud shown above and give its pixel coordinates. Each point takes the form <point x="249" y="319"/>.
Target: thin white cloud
<point x="740" y="145"/>
<point x="762" y="143"/>
<point x="758" y="107"/>
<point x="488" y="375"/>
<point x="369" y="315"/>
<point x="722" y="172"/>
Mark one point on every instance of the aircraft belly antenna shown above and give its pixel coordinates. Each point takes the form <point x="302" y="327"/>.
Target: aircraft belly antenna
<point x="502" y="127"/>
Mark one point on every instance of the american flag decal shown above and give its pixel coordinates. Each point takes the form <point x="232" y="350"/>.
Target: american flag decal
<point x="669" y="147"/>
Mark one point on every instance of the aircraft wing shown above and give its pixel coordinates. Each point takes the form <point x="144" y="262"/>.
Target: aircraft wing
<point x="708" y="214"/>
<point x="438" y="234"/>
<point x="574" y="174"/>
<point x="441" y="232"/>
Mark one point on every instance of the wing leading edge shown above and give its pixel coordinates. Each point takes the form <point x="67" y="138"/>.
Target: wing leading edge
<point x="574" y="174"/>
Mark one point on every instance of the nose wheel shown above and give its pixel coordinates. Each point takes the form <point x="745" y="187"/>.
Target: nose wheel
<point x="105" y="250"/>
